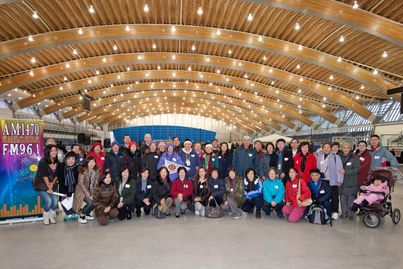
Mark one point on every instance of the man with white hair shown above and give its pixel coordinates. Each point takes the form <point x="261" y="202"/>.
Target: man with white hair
<point x="146" y="145"/>
<point x="245" y="157"/>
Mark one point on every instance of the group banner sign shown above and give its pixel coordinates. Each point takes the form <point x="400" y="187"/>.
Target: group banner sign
<point x="22" y="148"/>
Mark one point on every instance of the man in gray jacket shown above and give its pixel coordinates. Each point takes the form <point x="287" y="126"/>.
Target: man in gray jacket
<point x="380" y="154"/>
<point x="245" y="157"/>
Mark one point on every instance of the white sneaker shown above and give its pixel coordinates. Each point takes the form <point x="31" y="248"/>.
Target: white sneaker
<point x="335" y="216"/>
<point x="88" y="217"/>
<point x="197" y="213"/>
<point x="82" y="221"/>
<point x="236" y="217"/>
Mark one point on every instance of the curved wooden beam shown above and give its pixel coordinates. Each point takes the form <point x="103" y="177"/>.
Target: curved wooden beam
<point x="185" y="32"/>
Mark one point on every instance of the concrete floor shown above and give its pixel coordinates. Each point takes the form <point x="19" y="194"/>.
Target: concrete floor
<point x="196" y="242"/>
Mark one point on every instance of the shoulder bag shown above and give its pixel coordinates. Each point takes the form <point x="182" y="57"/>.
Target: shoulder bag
<point x="306" y="202"/>
<point x="213" y="212"/>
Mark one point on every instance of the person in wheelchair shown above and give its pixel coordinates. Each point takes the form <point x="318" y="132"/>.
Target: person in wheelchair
<point x="372" y="194"/>
<point x="320" y="192"/>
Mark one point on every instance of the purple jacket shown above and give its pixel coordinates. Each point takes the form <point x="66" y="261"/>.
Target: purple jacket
<point x="334" y="164"/>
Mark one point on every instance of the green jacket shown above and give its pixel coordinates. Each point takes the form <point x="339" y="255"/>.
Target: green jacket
<point x="238" y="194"/>
<point x="351" y="166"/>
<point x="128" y="191"/>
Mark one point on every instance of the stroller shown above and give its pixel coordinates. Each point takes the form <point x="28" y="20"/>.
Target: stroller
<point x="374" y="212"/>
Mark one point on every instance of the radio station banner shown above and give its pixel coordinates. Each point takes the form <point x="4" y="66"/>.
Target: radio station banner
<point x="21" y="148"/>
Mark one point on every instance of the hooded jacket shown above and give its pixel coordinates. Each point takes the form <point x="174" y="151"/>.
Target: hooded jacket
<point x="133" y="161"/>
<point x="194" y="161"/>
<point x="236" y="193"/>
<point x="244" y="159"/>
<point x="217" y="186"/>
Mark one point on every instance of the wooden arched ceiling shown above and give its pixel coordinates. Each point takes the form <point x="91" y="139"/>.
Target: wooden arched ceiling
<point x="266" y="49"/>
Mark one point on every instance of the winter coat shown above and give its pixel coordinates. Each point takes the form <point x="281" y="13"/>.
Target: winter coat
<point x="238" y="190"/>
<point x="217" y="186"/>
<point x="113" y="162"/>
<point x="178" y="149"/>
<point x="324" y="191"/>
<point x="84" y="188"/>
<point x="100" y="158"/>
<point x="259" y="155"/>
<point x="365" y="163"/>
<point x="61" y="176"/>
<point x="334" y="165"/>
<point x="203" y="188"/>
<point x="45" y="171"/>
<point x="310" y="164"/>
<point x="143" y="149"/>
<point x="161" y="190"/>
<point x="291" y="191"/>
<point x="103" y="196"/>
<point x="140" y="194"/>
<point x="205" y="159"/>
<point x="256" y="188"/>
<point x="124" y="149"/>
<point x="128" y="191"/>
<point x="381" y="155"/>
<point x="352" y="167"/>
<point x="174" y="157"/>
<point x="274" y="189"/>
<point x="267" y="161"/>
<point x="150" y="160"/>
<point x="133" y="161"/>
<point x="185" y="187"/>
<point x="285" y="162"/>
<point x="244" y="159"/>
<point x="194" y="161"/>
<point x="225" y="163"/>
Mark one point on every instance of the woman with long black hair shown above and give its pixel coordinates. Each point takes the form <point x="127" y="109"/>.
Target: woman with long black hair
<point x="161" y="192"/>
<point x="126" y="189"/>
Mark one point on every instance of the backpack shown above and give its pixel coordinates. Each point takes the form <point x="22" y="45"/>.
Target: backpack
<point x="155" y="212"/>
<point x="317" y="215"/>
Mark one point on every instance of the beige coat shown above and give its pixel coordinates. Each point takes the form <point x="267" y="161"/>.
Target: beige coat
<point x="82" y="186"/>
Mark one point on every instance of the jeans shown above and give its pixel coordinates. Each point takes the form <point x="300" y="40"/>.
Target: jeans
<point x="267" y="207"/>
<point x="50" y="201"/>
<point x="88" y="207"/>
<point x="179" y="206"/>
<point x="250" y="204"/>
<point x="68" y="212"/>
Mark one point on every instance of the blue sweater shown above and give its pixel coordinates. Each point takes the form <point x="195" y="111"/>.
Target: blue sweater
<point x="273" y="188"/>
<point x="174" y="157"/>
<point x="253" y="193"/>
<point x="194" y="161"/>
<point x="217" y="186"/>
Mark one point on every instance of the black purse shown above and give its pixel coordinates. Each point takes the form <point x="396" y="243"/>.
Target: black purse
<point x="39" y="184"/>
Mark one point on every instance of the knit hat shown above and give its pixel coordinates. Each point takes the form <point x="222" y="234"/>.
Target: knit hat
<point x="315" y="170"/>
<point x="161" y="144"/>
<point x="170" y="145"/>
<point x="133" y="143"/>
<point x="187" y="141"/>
<point x="115" y="143"/>
<point x="153" y="142"/>
<point x="96" y="144"/>
<point x="208" y="145"/>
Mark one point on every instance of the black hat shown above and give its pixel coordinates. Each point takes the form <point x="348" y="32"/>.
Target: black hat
<point x="280" y="140"/>
<point x="315" y="170"/>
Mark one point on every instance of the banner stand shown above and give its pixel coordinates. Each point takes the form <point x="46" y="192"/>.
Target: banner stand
<point x="11" y="222"/>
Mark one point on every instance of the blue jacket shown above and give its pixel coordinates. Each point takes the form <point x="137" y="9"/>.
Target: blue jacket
<point x="244" y="159"/>
<point x="324" y="191"/>
<point x="380" y="155"/>
<point x="217" y="186"/>
<point x="273" y="188"/>
<point x="334" y="165"/>
<point x="253" y="193"/>
<point x="174" y="157"/>
<point x="194" y="161"/>
<point x="225" y="164"/>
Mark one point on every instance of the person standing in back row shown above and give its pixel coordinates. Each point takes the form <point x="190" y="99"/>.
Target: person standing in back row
<point x="285" y="161"/>
<point x="245" y="157"/>
<point x="380" y="154"/>
<point x="177" y="143"/>
<point x="124" y="148"/>
<point x="147" y="142"/>
<point x="190" y="158"/>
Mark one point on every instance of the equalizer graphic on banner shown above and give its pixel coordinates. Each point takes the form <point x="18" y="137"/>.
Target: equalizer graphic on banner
<point x="21" y="148"/>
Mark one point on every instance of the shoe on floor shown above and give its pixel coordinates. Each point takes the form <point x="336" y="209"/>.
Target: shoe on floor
<point x="74" y="216"/>
<point x="111" y="220"/>
<point x="88" y="217"/>
<point x="335" y="215"/>
<point x="177" y="215"/>
<point x="82" y="221"/>
<point x="351" y="218"/>
<point x="281" y="217"/>
<point x="236" y="217"/>
<point x="197" y="213"/>
<point x="67" y="217"/>
<point x="183" y="212"/>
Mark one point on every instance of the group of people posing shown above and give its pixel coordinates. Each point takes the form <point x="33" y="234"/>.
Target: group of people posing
<point x="130" y="179"/>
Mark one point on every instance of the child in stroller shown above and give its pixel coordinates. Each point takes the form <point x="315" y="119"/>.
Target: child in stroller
<point x="376" y="193"/>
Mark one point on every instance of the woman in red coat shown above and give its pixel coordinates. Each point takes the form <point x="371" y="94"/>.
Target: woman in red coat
<point x="304" y="162"/>
<point x="98" y="155"/>
<point x="181" y="191"/>
<point x="365" y="162"/>
<point x="293" y="206"/>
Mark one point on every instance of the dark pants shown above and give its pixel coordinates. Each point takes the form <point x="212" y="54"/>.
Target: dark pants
<point x="67" y="212"/>
<point x="124" y="211"/>
<point x="326" y="204"/>
<point x="267" y="207"/>
<point x="250" y="204"/>
<point x="139" y="205"/>
<point x="110" y="216"/>
<point x="335" y="199"/>
<point x="88" y="207"/>
<point x="219" y="200"/>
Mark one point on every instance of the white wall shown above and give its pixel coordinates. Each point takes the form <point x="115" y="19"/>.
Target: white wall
<point x="388" y="128"/>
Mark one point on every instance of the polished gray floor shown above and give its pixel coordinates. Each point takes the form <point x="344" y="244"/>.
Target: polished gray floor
<point x="196" y="242"/>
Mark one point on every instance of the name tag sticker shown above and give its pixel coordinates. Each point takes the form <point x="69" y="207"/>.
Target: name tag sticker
<point x="231" y="190"/>
<point x="185" y="186"/>
<point x="219" y="157"/>
<point x="148" y="186"/>
<point x="362" y="159"/>
<point x="187" y="163"/>
<point x="174" y="159"/>
<point x="192" y="155"/>
<point x="102" y="158"/>
<point x="246" y="183"/>
<point x="279" y="166"/>
<point x="349" y="163"/>
<point x="201" y="186"/>
<point x="322" y="162"/>
<point x="215" y="186"/>
<point x="127" y="186"/>
<point x="376" y="157"/>
<point x="156" y="156"/>
<point x="295" y="185"/>
<point x="121" y="199"/>
<point x="322" y="192"/>
<point x="213" y="159"/>
<point x="250" y="155"/>
<point x="297" y="162"/>
<point x="285" y="159"/>
<point x="276" y="187"/>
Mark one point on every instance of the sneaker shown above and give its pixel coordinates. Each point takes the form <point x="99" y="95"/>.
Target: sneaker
<point x="197" y="213"/>
<point x="88" y="217"/>
<point x="305" y="217"/>
<point x="335" y="215"/>
<point x="236" y="217"/>
<point x="82" y="221"/>
<point x="74" y="216"/>
<point x="281" y="217"/>
<point x="67" y="217"/>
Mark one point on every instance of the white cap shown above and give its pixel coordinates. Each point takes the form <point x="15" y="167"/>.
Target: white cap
<point x="246" y="137"/>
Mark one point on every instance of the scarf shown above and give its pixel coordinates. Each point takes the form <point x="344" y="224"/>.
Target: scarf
<point x="373" y="149"/>
<point x="115" y="153"/>
<point x="303" y="162"/>
<point x="316" y="186"/>
<point x="210" y="161"/>
<point x="69" y="179"/>
<point x="231" y="182"/>
<point x="165" y="182"/>
<point x="123" y="183"/>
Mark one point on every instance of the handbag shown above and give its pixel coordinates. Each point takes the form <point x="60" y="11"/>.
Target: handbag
<point x="213" y="212"/>
<point x="39" y="184"/>
<point x="157" y="213"/>
<point x="306" y="202"/>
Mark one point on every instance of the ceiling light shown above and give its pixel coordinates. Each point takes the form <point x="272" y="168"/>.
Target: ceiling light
<point x="67" y="65"/>
<point x="104" y="59"/>
<point x="341" y="39"/>
<point x="35" y="15"/>
<point x="145" y="8"/>
<point x="193" y="47"/>
<point x="33" y="60"/>
<point x="31" y="73"/>
<point x="300" y="98"/>
<point x="264" y="58"/>
<point x="384" y="55"/>
<point x="300" y="47"/>
<point x="357" y="97"/>
<point x="200" y="11"/>
<point x="362" y="87"/>
<point x="218" y="71"/>
<point x="297" y="26"/>
<point x="298" y="66"/>
<point x="97" y="72"/>
<point x="159" y="67"/>
<point x="375" y="72"/>
<point x="323" y="105"/>
<point x="208" y="59"/>
<point x="154" y="46"/>
<point x="270" y="70"/>
<point x="355" y="5"/>
<point x="324" y="98"/>
<point x="272" y="83"/>
<point x="173" y="57"/>
<point x="331" y="77"/>
<point x="189" y="68"/>
<point x="246" y="76"/>
<point x="80" y="31"/>
<point x="127" y="28"/>
<point x="299" y="90"/>
<point x="260" y="38"/>
<point x="276" y="91"/>
<point x="139" y="57"/>
<point x="250" y="17"/>
<point x="339" y="59"/>
<point x="173" y="28"/>
<point x="30" y="38"/>
<point x="128" y="69"/>
<point x="115" y="47"/>
<point x="65" y="78"/>
<point x="74" y="51"/>
<point x="330" y="88"/>
<point x="174" y="74"/>
<point x="61" y="88"/>
<point x="229" y="51"/>
<point x="301" y="79"/>
<point x="218" y="32"/>
<point x="91" y="10"/>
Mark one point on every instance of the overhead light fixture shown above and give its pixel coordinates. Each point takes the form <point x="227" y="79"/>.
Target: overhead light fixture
<point x="128" y="69"/>
<point x="355" y="5"/>
<point x="31" y="73"/>
<point x="115" y="47"/>
<point x="80" y="31"/>
<point x="200" y="11"/>
<point x="67" y="65"/>
<point x="139" y="57"/>
<point x="193" y="47"/>
<point x="362" y="87"/>
<point x="298" y="66"/>
<point x="384" y="55"/>
<point x="35" y="15"/>
<point x="271" y="70"/>
<point x="341" y="39"/>
<point x="159" y="67"/>
<point x="173" y="28"/>
<point x="331" y="77"/>
<point x="299" y="90"/>
<point x="297" y="26"/>
<point x="300" y="47"/>
<point x="339" y="59"/>
<point x="301" y="79"/>
<point x="189" y="68"/>
<point x="208" y="59"/>
<point x="357" y="97"/>
<point x="250" y="17"/>
<point x="173" y="57"/>
<point x="97" y="72"/>
<point x="30" y="38"/>
<point x="375" y="72"/>
<point x="218" y="71"/>
<point x="91" y="10"/>
<point x="74" y="51"/>
<point x="330" y="88"/>
<point x="33" y="60"/>
<point x="323" y="105"/>
<point x="154" y="46"/>
<point x="260" y="38"/>
<point x="65" y="78"/>
<point x="229" y="51"/>
<point x="272" y="83"/>
<point x="324" y="98"/>
<point x="264" y="58"/>
<point x="145" y="8"/>
<point x="127" y="28"/>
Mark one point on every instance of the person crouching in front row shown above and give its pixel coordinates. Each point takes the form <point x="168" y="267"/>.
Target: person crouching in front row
<point x="104" y="197"/>
<point x="181" y="191"/>
<point x="253" y="193"/>
<point x="126" y="188"/>
<point x="144" y="186"/>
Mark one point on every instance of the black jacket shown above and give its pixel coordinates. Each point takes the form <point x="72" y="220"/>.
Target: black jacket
<point x="161" y="190"/>
<point x="150" y="160"/>
<point x="114" y="163"/>
<point x="324" y="193"/>
<point x="141" y="195"/>
<point x="287" y="162"/>
<point x="133" y="161"/>
<point x="61" y="178"/>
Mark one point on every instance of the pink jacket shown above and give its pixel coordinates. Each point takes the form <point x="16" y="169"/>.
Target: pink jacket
<point x="379" y="188"/>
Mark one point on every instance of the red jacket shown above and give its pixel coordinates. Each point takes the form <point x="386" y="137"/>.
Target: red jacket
<point x="292" y="189"/>
<point x="100" y="159"/>
<point x="365" y="162"/>
<point x="185" y="187"/>
<point x="310" y="164"/>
